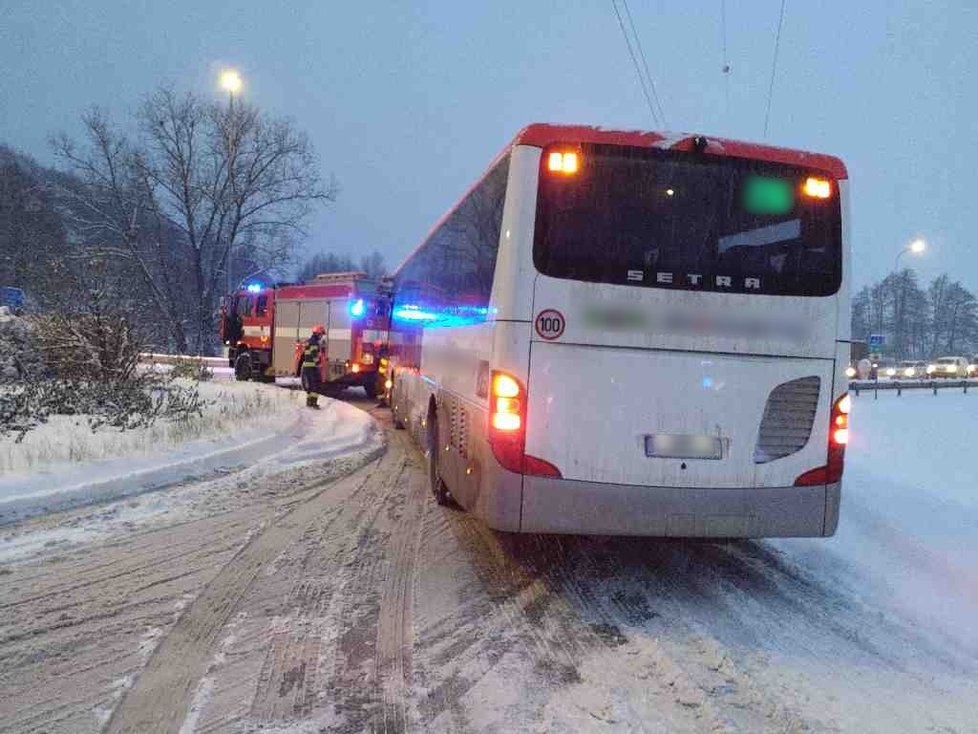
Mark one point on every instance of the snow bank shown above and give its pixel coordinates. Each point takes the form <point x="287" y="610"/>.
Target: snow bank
<point x="69" y="439"/>
<point x="245" y="425"/>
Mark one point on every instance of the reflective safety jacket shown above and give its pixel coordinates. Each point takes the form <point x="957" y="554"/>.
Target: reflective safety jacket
<point x="310" y="357"/>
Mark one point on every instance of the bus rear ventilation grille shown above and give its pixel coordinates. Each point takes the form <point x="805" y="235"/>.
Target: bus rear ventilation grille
<point x="788" y="419"/>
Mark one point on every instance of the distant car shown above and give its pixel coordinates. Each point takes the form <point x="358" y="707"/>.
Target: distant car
<point x="883" y="369"/>
<point x="911" y="370"/>
<point x="948" y="367"/>
<point x="973" y="366"/>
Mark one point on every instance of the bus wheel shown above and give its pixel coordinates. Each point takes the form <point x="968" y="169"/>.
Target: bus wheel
<point x="438" y="488"/>
<point x="242" y="367"/>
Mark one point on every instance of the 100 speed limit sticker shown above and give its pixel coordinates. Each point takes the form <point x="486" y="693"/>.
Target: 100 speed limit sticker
<point x="550" y="324"/>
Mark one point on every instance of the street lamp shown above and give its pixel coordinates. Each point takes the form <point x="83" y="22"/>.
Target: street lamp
<point x="231" y="82"/>
<point x="916" y="247"/>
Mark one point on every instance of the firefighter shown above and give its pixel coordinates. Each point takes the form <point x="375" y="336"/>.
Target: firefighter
<point x="310" y="366"/>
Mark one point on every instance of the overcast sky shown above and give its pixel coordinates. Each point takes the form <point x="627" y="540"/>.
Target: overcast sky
<point x="408" y="102"/>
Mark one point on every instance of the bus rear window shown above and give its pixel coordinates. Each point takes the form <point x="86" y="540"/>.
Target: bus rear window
<point x="670" y="219"/>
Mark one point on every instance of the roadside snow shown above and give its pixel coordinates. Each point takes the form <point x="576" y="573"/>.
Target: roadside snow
<point x="909" y="517"/>
<point x="244" y="424"/>
<point x="68" y="439"/>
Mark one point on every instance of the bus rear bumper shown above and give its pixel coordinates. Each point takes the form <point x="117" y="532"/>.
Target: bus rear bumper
<point x="590" y="508"/>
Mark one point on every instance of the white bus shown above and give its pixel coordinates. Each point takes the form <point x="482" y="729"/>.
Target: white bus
<point x="633" y="334"/>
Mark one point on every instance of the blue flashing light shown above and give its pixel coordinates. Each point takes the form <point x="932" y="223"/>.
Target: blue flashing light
<point x="414" y="313"/>
<point x="451" y="316"/>
<point x="253" y="287"/>
<point x="357" y="308"/>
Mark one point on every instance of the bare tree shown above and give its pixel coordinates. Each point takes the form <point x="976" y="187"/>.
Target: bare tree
<point x="941" y="320"/>
<point x="207" y="195"/>
<point x="374" y="264"/>
<point x="233" y="180"/>
<point x="954" y="312"/>
<point x="113" y="215"/>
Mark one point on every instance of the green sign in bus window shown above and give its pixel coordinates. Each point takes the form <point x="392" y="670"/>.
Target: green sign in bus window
<point x="768" y="195"/>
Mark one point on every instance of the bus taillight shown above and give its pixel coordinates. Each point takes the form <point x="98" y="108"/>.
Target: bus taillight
<point x="838" y="438"/>
<point x="507" y="403"/>
<point x="507" y="428"/>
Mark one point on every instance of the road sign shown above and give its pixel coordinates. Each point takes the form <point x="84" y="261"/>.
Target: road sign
<point x="876" y="340"/>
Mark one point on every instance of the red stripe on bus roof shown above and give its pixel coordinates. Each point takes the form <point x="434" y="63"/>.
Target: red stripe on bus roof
<point x="541" y="135"/>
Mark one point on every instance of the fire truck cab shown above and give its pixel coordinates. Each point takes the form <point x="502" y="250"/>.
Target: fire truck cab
<point x="265" y="330"/>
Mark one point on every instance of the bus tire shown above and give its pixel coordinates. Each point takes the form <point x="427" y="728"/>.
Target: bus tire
<point x="242" y="367"/>
<point x="438" y="488"/>
<point x="396" y="418"/>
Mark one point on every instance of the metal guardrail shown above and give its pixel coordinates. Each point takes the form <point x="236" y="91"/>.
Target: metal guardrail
<point x="151" y="358"/>
<point x="874" y="386"/>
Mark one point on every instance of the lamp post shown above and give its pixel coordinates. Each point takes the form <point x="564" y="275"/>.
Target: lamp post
<point x="230" y="81"/>
<point x="917" y="247"/>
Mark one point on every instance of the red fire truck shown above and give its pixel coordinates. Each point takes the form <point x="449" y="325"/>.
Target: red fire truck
<point x="264" y="329"/>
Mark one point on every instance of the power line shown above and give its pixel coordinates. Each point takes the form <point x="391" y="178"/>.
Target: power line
<point x="726" y="58"/>
<point x="774" y="66"/>
<point x="645" y="63"/>
<point x="638" y="70"/>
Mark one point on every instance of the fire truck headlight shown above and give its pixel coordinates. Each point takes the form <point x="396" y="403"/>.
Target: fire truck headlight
<point x="388" y="384"/>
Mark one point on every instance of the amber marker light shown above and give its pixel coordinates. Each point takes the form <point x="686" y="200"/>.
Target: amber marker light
<point x="817" y="188"/>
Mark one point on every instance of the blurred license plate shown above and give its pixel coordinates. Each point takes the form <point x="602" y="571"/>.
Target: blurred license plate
<point x="683" y="446"/>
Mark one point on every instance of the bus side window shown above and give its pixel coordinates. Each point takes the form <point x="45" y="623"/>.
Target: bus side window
<point x="262" y="306"/>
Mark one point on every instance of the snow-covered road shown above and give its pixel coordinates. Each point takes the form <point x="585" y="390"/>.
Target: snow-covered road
<point x="303" y="600"/>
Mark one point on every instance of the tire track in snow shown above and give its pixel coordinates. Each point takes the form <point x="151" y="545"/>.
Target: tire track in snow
<point x="161" y="696"/>
<point x="344" y="562"/>
<point x="395" y="630"/>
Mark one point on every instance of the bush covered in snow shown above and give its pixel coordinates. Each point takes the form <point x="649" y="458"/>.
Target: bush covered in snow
<point x="191" y="369"/>
<point x="19" y="356"/>
<point x="82" y="365"/>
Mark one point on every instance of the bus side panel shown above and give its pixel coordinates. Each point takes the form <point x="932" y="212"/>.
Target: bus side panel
<point x="499" y="498"/>
<point x="512" y="288"/>
<point x="456" y="359"/>
<point x="461" y="357"/>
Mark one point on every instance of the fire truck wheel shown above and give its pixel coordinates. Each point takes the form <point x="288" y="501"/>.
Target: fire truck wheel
<point x="438" y="488"/>
<point x="242" y="367"/>
<point x="370" y="387"/>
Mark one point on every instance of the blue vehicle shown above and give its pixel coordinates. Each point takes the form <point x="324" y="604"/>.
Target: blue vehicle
<point x="12" y="298"/>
